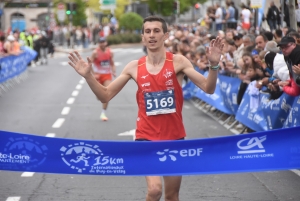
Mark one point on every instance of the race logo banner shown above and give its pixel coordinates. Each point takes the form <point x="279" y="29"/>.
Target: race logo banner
<point x="262" y="151"/>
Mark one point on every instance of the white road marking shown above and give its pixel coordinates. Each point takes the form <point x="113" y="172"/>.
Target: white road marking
<point x="75" y="93"/>
<point x="27" y="174"/>
<point x="65" y="110"/>
<point x="116" y="50"/>
<point x="78" y="86"/>
<point x="70" y="100"/>
<point x="128" y="133"/>
<point x="58" y="123"/>
<point x="64" y="63"/>
<point x="118" y="63"/>
<point x="297" y="172"/>
<point x="13" y="198"/>
<point x="50" y="135"/>
<point x="82" y="81"/>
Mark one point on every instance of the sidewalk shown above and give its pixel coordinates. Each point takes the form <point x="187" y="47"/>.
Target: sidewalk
<point x="63" y="49"/>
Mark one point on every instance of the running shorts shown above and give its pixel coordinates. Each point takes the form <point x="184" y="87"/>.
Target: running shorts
<point x="101" y="78"/>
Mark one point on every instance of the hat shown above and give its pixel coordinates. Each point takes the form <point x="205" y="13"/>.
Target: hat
<point x="238" y="36"/>
<point x="286" y="40"/>
<point x="11" y="38"/>
<point x="101" y="40"/>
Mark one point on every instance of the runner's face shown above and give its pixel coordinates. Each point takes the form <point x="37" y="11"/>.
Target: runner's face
<point x="154" y="36"/>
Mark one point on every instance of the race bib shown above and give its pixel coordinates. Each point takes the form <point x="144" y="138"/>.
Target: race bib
<point x="105" y="64"/>
<point x="162" y="102"/>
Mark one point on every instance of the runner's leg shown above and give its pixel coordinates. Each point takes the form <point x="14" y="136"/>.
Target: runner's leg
<point x="104" y="105"/>
<point x="172" y="187"/>
<point x="154" y="188"/>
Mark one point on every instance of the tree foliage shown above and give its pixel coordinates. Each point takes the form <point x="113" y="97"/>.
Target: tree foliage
<point x="79" y="19"/>
<point x="166" y="7"/>
<point x="131" y="21"/>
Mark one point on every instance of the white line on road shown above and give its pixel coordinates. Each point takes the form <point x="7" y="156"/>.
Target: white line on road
<point x="128" y="133"/>
<point x="78" y="86"/>
<point x="75" y="93"/>
<point x="50" y="135"/>
<point x="65" y="110"/>
<point x="58" y="123"/>
<point x="82" y="81"/>
<point x="117" y="63"/>
<point x="297" y="172"/>
<point x="13" y="198"/>
<point x="70" y="100"/>
<point x="27" y="174"/>
<point x="64" y="63"/>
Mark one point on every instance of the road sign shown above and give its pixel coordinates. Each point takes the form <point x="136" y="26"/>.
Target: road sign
<point x="61" y="12"/>
<point x="107" y="4"/>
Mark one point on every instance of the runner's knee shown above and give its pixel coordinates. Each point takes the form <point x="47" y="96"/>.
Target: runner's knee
<point x="155" y="192"/>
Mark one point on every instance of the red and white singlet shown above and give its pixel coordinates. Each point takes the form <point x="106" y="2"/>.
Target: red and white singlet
<point x="102" y="62"/>
<point x="160" y="100"/>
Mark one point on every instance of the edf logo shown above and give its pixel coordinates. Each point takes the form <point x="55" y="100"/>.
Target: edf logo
<point x="183" y="153"/>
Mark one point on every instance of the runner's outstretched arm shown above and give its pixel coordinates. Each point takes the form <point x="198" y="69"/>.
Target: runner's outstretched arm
<point x="213" y="53"/>
<point x="104" y="94"/>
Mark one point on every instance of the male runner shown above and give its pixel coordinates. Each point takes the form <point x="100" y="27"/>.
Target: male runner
<point x="103" y="69"/>
<point x="159" y="97"/>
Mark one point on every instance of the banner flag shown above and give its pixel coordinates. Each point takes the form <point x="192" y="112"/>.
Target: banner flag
<point x="276" y="111"/>
<point x="215" y="99"/>
<point x="229" y="87"/>
<point x="12" y="66"/>
<point x="261" y="151"/>
<point x="293" y="118"/>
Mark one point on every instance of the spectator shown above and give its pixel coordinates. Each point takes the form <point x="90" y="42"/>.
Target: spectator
<point x="249" y="40"/>
<point x="272" y="47"/>
<point x="2" y="49"/>
<point x="218" y="17"/>
<point x="291" y="51"/>
<point x="245" y="17"/>
<point x="230" y="16"/>
<point x="261" y="41"/>
<point x="269" y="35"/>
<point x="238" y="41"/>
<point x="272" y="16"/>
<point x="278" y="35"/>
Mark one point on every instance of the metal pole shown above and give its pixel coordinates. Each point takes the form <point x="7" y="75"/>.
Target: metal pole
<point x="293" y="24"/>
<point x="71" y="14"/>
<point x="282" y="12"/>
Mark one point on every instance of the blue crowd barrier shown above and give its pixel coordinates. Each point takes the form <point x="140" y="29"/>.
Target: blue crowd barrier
<point x="11" y="66"/>
<point x="269" y="114"/>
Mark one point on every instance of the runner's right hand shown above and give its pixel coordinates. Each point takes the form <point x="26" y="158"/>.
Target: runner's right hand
<point x="82" y="67"/>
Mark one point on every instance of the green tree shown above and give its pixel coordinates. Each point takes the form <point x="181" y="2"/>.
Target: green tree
<point x="166" y="7"/>
<point x="79" y="18"/>
<point x="131" y="21"/>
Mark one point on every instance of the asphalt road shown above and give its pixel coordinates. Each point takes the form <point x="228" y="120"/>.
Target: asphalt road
<point x="56" y="92"/>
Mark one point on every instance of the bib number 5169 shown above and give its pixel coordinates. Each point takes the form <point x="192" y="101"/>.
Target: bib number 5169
<point x="162" y="103"/>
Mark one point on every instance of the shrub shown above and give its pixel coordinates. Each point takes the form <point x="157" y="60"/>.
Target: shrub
<point x="131" y="21"/>
<point x="124" y="38"/>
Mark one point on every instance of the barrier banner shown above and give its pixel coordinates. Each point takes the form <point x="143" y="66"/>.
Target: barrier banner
<point x="261" y="151"/>
<point x="293" y="119"/>
<point x="229" y="87"/>
<point x="276" y="111"/>
<point x="250" y="116"/>
<point x="190" y="89"/>
<point x="12" y="66"/>
<point x="215" y="100"/>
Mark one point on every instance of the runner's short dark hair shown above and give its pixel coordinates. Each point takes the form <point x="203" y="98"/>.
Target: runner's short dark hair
<point x="154" y="18"/>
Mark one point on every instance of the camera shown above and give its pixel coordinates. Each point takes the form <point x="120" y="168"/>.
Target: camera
<point x="298" y="80"/>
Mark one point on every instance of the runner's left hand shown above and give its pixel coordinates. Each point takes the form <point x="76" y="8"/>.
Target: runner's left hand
<point x="214" y="51"/>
